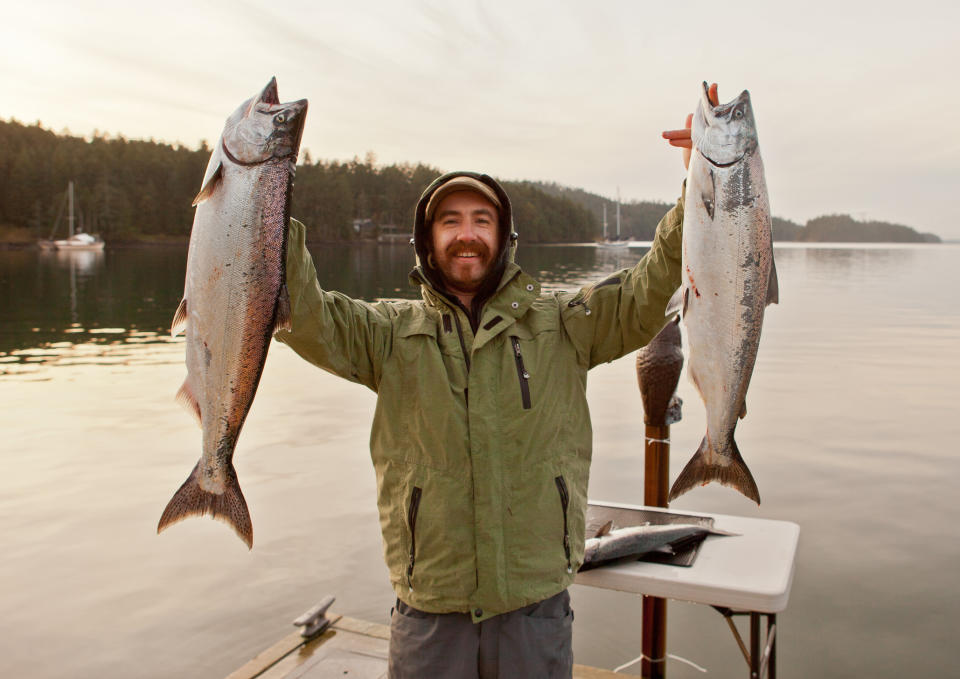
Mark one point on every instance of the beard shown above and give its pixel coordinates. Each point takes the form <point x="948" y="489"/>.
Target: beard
<point x="451" y="270"/>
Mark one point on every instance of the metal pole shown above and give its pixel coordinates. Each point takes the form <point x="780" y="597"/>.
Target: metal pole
<point x="70" y="213"/>
<point x="658" y="370"/>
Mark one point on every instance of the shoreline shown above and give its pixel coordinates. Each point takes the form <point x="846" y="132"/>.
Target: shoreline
<point x="185" y="242"/>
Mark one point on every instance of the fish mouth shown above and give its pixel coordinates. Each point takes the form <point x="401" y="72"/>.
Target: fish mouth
<point x="718" y="164"/>
<point x="270" y="94"/>
<point x="302" y="115"/>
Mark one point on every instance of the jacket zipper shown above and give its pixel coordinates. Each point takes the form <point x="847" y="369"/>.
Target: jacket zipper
<point x="412" y="525"/>
<point x="522" y="374"/>
<point x="463" y="345"/>
<point x="565" y="503"/>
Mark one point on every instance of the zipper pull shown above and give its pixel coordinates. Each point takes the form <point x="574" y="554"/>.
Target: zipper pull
<point x="516" y="350"/>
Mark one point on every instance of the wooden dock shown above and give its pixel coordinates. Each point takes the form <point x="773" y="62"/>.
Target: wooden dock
<point x="348" y="648"/>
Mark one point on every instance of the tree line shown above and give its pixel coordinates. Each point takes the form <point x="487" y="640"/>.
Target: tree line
<point x="141" y="190"/>
<point x="845" y="229"/>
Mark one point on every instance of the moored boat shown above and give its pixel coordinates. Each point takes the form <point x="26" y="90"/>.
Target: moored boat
<point x="76" y="239"/>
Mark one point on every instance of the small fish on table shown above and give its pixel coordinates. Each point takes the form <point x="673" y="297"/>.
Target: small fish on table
<point x="610" y="544"/>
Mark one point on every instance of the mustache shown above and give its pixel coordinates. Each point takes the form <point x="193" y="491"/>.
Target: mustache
<point x="477" y="246"/>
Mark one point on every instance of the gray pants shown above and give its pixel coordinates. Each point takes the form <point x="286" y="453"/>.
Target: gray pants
<point x="530" y="642"/>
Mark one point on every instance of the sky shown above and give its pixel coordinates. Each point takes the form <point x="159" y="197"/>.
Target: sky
<point x="855" y="102"/>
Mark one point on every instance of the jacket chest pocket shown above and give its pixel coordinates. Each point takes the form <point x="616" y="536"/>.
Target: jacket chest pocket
<point x="523" y="377"/>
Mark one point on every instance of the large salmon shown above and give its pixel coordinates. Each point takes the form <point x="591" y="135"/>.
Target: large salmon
<point x="235" y="297"/>
<point x="728" y="279"/>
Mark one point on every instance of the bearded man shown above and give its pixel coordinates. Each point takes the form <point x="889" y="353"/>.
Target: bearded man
<point x="481" y="438"/>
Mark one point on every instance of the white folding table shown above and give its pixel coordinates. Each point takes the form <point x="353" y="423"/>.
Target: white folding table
<point x="747" y="574"/>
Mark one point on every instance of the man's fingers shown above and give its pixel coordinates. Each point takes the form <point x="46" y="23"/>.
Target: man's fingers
<point x="682" y="143"/>
<point x="677" y="134"/>
<point x="689" y="122"/>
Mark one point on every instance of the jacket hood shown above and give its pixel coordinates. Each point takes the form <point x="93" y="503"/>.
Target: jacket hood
<point x="506" y="242"/>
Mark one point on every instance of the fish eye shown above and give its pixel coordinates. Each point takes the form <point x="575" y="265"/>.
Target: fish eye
<point x="280" y="118"/>
<point x="738" y="114"/>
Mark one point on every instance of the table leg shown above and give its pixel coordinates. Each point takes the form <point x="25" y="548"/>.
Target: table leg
<point x="771" y="628"/>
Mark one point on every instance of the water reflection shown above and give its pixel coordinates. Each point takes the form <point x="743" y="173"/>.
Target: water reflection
<point x="86" y="297"/>
<point x="127" y="295"/>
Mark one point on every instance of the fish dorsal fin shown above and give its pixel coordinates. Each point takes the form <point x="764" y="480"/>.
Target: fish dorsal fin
<point x="209" y="185"/>
<point x="282" y="317"/>
<point x="179" y="319"/>
<point x="186" y="398"/>
<point x="773" y="286"/>
<point x="604" y="529"/>
<point x="743" y="409"/>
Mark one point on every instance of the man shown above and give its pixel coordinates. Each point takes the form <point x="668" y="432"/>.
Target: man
<point x="481" y="438"/>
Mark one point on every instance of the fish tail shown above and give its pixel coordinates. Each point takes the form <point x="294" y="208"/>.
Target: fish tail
<point x="192" y="500"/>
<point x="699" y="471"/>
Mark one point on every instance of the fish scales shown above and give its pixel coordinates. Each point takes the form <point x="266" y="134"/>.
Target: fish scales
<point x="234" y="294"/>
<point x="728" y="278"/>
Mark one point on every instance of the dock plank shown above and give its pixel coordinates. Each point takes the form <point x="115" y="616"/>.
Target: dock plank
<point x="349" y="647"/>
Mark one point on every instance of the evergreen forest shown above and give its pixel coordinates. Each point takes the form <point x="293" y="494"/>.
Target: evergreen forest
<point x="135" y="191"/>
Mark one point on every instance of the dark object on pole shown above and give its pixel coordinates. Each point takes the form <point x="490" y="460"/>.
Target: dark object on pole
<point x="658" y="371"/>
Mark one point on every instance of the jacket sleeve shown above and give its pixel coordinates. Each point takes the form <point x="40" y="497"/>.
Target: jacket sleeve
<point x="624" y="311"/>
<point x="344" y="336"/>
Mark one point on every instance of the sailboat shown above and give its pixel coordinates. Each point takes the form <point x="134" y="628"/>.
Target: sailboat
<point x="75" y="240"/>
<point x="606" y="242"/>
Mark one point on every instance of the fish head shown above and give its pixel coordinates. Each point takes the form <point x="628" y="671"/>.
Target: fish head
<point x="262" y="128"/>
<point x="726" y="133"/>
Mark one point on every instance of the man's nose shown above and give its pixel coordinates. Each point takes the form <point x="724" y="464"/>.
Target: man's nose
<point x="467" y="232"/>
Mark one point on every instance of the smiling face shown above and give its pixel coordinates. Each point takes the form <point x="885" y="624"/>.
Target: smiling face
<point x="464" y="238"/>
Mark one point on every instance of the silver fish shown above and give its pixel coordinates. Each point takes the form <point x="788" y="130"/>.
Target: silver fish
<point x="728" y="280"/>
<point x="610" y="545"/>
<point x="234" y="297"/>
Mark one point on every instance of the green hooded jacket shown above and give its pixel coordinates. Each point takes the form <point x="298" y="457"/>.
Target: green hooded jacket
<point x="481" y="438"/>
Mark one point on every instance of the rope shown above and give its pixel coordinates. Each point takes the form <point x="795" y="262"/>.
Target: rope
<point x="653" y="440"/>
<point x="669" y="655"/>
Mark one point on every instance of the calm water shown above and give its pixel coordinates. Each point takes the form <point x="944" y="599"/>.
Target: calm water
<point x="852" y="433"/>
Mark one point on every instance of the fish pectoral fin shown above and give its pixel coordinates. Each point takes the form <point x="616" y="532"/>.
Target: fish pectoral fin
<point x="773" y="286"/>
<point x="210" y="185"/>
<point x="186" y="398"/>
<point x="708" y="193"/>
<point x="676" y="303"/>
<point x="282" y="317"/>
<point x="604" y="529"/>
<point x="179" y="319"/>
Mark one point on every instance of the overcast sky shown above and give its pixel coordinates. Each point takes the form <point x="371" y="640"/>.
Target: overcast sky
<point x="856" y="102"/>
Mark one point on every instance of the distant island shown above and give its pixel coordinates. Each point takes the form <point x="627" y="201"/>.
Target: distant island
<point x="638" y="221"/>
<point x="845" y="229"/>
<point x="139" y="191"/>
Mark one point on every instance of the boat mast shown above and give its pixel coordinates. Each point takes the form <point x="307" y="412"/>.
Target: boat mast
<point x="604" y="220"/>
<point x="618" y="213"/>
<point x="70" y="203"/>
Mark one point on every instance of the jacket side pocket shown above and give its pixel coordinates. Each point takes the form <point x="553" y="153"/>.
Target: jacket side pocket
<point x="565" y="504"/>
<point x="412" y="509"/>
